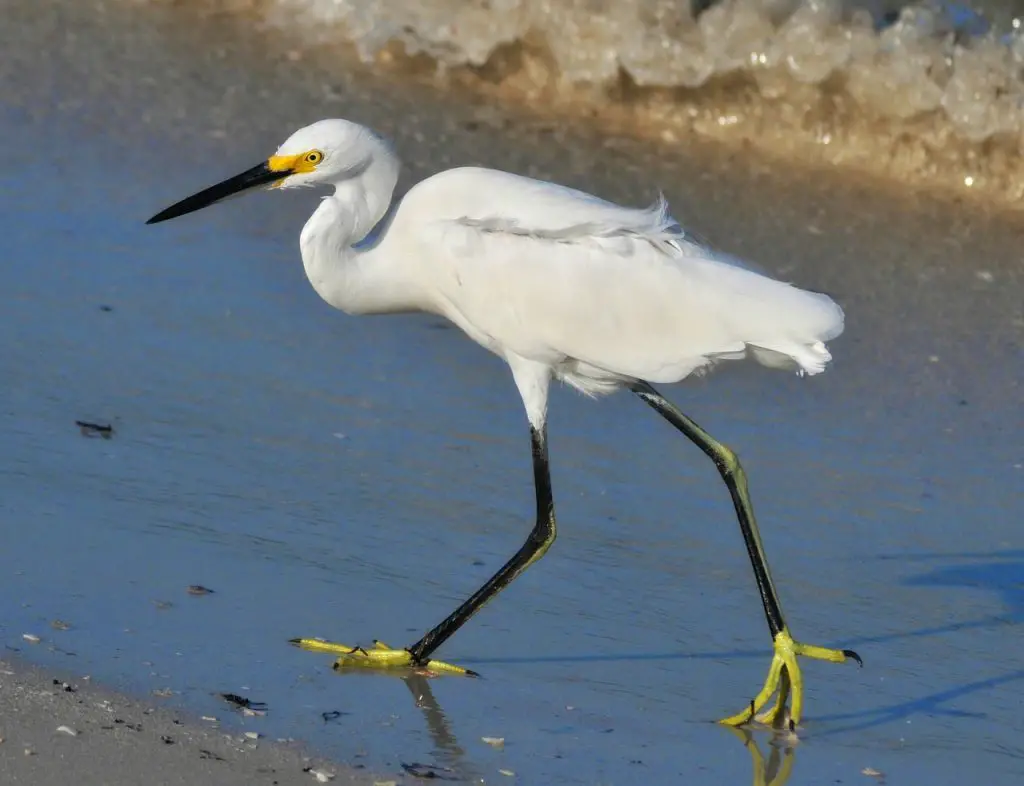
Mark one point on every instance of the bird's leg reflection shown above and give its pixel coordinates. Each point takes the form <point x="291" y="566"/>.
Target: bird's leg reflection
<point x="777" y="770"/>
<point x="447" y="750"/>
<point x="437" y="723"/>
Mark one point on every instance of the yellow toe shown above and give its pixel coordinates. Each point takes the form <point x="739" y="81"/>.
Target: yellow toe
<point x="786" y="680"/>
<point x="378" y="657"/>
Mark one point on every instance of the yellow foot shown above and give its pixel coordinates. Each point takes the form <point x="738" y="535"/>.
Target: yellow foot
<point x="784" y="677"/>
<point x="379" y="656"/>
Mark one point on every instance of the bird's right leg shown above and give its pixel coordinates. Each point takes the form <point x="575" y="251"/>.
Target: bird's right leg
<point x="784" y="676"/>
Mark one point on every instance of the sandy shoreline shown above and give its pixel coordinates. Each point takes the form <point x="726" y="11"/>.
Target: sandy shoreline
<point x="58" y="729"/>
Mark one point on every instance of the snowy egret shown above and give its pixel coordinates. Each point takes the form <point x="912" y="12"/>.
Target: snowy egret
<point x="562" y="285"/>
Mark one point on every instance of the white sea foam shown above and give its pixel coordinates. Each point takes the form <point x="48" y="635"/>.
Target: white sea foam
<point x="931" y="86"/>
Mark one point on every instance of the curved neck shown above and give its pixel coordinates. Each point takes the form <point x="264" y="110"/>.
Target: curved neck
<point x="355" y="276"/>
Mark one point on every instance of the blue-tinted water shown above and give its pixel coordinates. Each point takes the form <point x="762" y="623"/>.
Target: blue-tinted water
<point x="356" y="478"/>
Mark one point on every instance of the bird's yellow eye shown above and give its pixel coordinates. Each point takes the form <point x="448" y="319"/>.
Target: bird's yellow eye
<point x="313" y="157"/>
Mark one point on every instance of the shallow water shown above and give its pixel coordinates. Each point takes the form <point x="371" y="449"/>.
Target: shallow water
<point x="356" y="478"/>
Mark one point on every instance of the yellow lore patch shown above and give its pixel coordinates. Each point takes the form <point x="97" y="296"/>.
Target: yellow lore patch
<point x="300" y="164"/>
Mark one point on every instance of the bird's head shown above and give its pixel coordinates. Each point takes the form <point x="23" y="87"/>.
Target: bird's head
<point x="328" y="152"/>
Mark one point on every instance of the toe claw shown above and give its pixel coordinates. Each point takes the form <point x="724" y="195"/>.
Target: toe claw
<point x="854" y="656"/>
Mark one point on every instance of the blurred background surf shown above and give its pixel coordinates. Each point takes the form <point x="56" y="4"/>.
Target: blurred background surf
<point x="927" y="91"/>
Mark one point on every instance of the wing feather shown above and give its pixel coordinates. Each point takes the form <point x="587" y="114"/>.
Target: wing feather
<point x="565" y="278"/>
<point x="653" y="225"/>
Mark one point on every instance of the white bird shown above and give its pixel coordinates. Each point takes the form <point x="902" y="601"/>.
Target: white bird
<point x="560" y="284"/>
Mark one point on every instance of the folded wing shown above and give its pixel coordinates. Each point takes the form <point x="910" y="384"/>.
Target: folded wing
<point x="559" y="276"/>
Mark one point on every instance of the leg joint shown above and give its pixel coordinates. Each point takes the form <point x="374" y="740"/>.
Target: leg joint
<point x="544" y="531"/>
<point x="727" y="461"/>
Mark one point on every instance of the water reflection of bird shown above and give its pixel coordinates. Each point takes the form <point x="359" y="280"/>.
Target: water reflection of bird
<point x="778" y="769"/>
<point x="562" y="285"/>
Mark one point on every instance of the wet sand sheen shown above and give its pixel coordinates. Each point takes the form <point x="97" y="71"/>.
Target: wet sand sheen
<point x="341" y="477"/>
<point x="65" y="730"/>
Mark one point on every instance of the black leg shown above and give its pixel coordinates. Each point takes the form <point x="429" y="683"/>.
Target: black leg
<point x="538" y="542"/>
<point x="736" y="480"/>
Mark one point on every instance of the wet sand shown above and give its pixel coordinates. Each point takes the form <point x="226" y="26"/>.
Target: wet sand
<point x="60" y="729"/>
<point x="356" y="478"/>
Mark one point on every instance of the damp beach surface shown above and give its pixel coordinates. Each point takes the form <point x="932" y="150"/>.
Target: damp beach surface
<point x="357" y="478"/>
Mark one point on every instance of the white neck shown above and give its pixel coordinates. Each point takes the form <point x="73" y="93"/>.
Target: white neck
<point x="375" y="278"/>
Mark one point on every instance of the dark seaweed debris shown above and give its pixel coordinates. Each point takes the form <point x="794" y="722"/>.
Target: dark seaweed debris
<point x="429" y="771"/>
<point x="106" y="431"/>
<point x="242" y="703"/>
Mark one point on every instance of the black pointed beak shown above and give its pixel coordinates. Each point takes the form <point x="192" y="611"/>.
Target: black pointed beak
<point x="262" y="175"/>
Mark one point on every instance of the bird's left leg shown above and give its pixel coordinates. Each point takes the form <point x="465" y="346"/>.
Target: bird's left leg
<point x="784" y="673"/>
<point x="380" y="656"/>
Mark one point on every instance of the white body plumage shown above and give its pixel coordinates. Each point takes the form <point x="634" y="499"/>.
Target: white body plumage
<point x="557" y="282"/>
